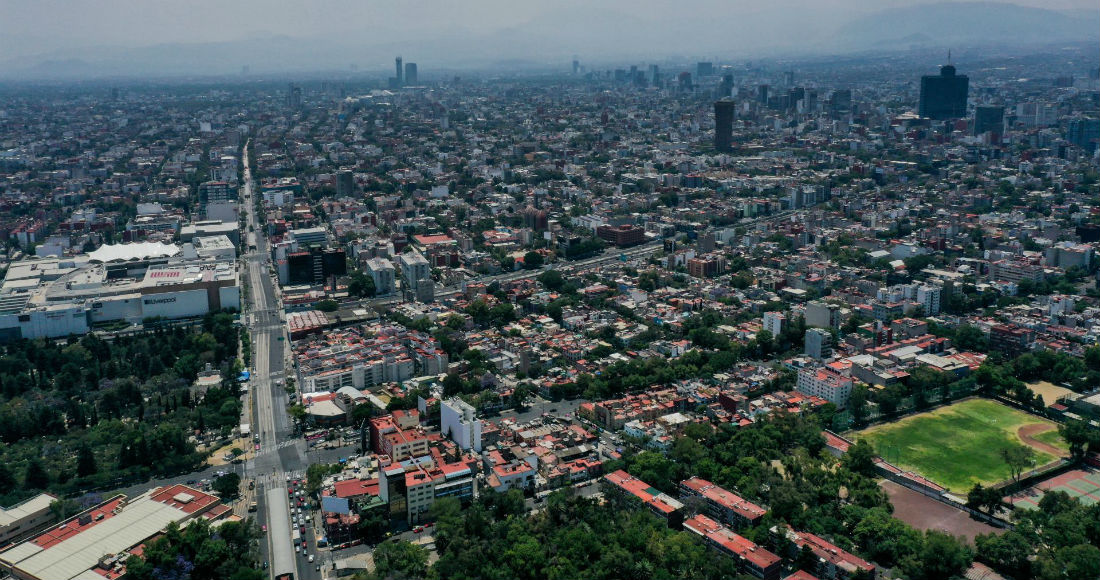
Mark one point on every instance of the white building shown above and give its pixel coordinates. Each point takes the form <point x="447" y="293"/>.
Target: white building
<point x="306" y="237"/>
<point x="822" y="315"/>
<point x="382" y="272"/>
<point x="775" y="323"/>
<point x="589" y="221"/>
<point x="223" y="211"/>
<point x="25" y="518"/>
<point x="458" y="420"/>
<point x="278" y="197"/>
<point x="825" y="383"/>
<point x="55" y="297"/>
<point x="929" y="297"/>
<point x="215" y="247"/>
<point x="415" y="272"/>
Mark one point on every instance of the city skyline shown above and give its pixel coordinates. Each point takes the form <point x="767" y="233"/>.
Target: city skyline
<point x="45" y="39"/>
<point x="717" y="289"/>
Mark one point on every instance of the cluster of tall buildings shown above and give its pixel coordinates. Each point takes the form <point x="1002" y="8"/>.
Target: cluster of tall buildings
<point x="406" y="74"/>
<point x="942" y="97"/>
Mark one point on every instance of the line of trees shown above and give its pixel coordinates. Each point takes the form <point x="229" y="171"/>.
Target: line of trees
<point x="227" y="552"/>
<point x="89" y="413"/>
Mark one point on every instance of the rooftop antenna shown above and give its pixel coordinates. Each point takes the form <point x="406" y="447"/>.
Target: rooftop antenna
<point x="949" y="56"/>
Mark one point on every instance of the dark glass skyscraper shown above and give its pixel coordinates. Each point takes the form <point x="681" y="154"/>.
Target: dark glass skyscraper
<point x="943" y="96"/>
<point x="400" y="72"/>
<point x="989" y="119"/>
<point x="723" y="124"/>
<point x="1084" y="132"/>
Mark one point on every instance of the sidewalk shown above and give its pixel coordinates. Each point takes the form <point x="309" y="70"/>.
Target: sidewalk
<point x="247" y="496"/>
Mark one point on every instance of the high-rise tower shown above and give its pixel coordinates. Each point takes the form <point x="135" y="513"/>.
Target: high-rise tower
<point x="943" y="96"/>
<point x="989" y="119"/>
<point x="400" y="73"/>
<point x="723" y="124"/>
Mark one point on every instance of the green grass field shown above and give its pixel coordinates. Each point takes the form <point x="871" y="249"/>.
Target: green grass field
<point x="1053" y="438"/>
<point x="958" y="445"/>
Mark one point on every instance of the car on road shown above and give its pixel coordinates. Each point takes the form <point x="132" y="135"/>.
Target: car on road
<point x="297" y="549"/>
<point x="311" y="557"/>
<point x="418" y="529"/>
<point x="318" y="567"/>
<point x="264" y="528"/>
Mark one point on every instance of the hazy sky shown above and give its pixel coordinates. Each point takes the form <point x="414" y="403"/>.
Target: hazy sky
<point x="144" y="36"/>
<point x="36" y="26"/>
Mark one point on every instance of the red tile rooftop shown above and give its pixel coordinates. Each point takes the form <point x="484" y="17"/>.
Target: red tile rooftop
<point x="829" y="552"/>
<point x="59" y="534"/>
<point x="835" y="442"/>
<point x="356" y="487"/>
<point x="217" y="512"/>
<point x="172" y="495"/>
<point x="724" y="498"/>
<point x="643" y="491"/>
<point x="887" y="466"/>
<point x="731" y="542"/>
<point x="454" y="469"/>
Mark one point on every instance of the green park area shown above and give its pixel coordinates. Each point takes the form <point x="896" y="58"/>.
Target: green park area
<point x="961" y="444"/>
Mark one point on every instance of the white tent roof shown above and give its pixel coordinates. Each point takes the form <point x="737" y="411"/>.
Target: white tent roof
<point x="135" y="251"/>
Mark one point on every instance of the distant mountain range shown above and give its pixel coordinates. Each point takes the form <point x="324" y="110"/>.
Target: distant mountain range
<point x="969" y="23"/>
<point x="597" y="32"/>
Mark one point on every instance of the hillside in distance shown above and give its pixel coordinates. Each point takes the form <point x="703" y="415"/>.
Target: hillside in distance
<point x="967" y="23"/>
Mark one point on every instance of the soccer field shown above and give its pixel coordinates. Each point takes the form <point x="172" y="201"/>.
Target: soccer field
<point x="960" y="444"/>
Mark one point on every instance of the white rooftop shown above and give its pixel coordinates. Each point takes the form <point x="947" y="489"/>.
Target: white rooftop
<point x="72" y="557"/>
<point x="135" y="251"/>
<point x="30" y="507"/>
